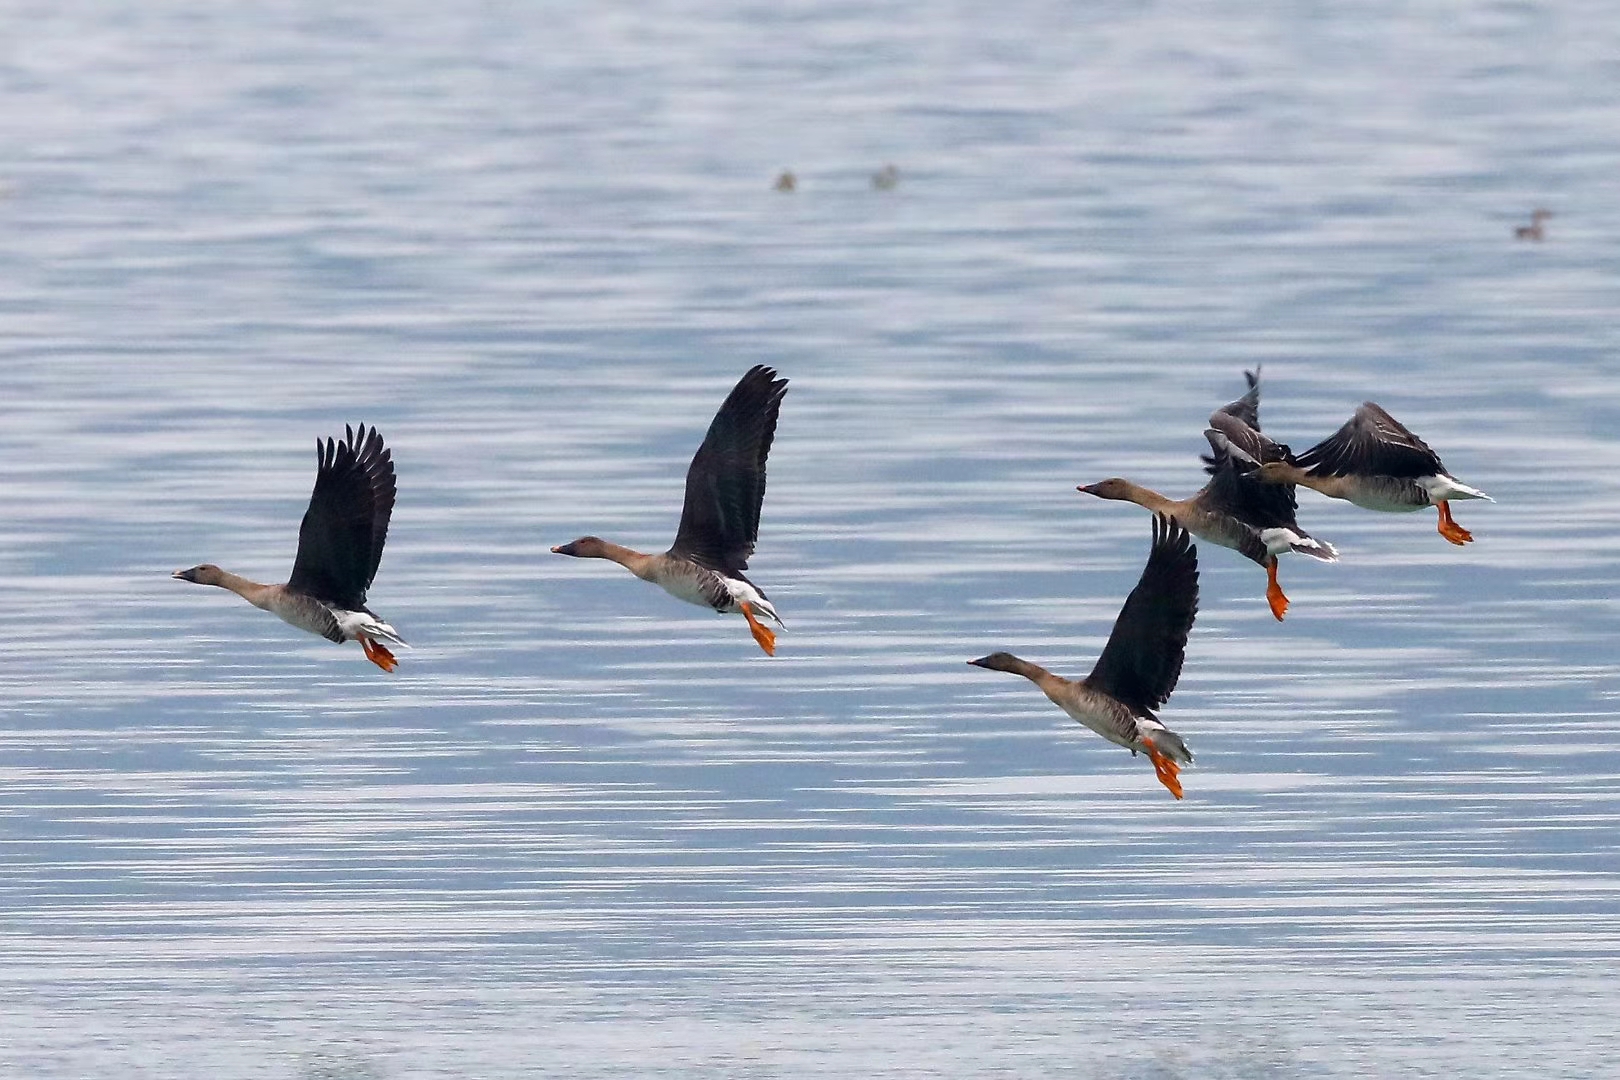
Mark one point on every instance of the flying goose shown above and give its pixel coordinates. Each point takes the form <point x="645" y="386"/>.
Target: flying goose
<point x="1140" y="664"/>
<point x="725" y="486"/>
<point x="339" y="546"/>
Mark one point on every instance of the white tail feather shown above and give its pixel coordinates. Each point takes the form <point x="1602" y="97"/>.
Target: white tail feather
<point x="1444" y="488"/>
<point x="744" y="593"/>
<point x="1316" y="549"/>
<point x="356" y="623"/>
<point x="380" y="629"/>
<point x="1163" y="740"/>
<point x="1280" y="540"/>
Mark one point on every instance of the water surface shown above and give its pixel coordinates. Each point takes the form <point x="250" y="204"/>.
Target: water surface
<point x="588" y="831"/>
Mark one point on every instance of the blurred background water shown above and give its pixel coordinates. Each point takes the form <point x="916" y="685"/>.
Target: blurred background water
<point x="588" y="831"/>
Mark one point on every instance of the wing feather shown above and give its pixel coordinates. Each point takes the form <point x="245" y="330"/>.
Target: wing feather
<point x="1240" y="420"/>
<point x="1372" y="443"/>
<point x="1247" y="407"/>
<point x="340" y="541"/>
<point x="1142" y="660"/>
<point x="725" y="484"/>
<point x="1234" y="487"/>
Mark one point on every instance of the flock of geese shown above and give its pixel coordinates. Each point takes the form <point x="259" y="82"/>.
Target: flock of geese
<point x="1247" y="505"/>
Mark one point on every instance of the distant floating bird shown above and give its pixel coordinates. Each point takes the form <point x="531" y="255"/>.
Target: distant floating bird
<point x="725" y="486"/>
<point x="1235" y="509"/>
<point x="1533" y="231"/>
<point x="886" y="178"/>
<point x="786" y="181"/>
<point x="1140" y="664"/>
<point x="340" y="544"/>
<point x="1376" y="463"/>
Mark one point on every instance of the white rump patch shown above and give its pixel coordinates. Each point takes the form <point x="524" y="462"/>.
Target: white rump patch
<point x="354" y="624"/>
<point x="1444" y="488"/>
<point x="1279" y="540"/>
<point x="744" y="593"/>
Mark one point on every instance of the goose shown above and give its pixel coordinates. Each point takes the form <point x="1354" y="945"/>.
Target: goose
<point x="1534" y="230"/>
<point x="340" y="543"/>
<point x="1140" y="664"/>
<point x="725" y="485"/>
<point x="1234" y="509"/>
<point x="1374" y="462"/>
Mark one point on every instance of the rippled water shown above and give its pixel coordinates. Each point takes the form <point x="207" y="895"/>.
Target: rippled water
<point x="588" y="831"/>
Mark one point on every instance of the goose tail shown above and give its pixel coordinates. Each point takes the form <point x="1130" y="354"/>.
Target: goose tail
<point x="1157" y="738"/>
<point x="1280" y="540"/>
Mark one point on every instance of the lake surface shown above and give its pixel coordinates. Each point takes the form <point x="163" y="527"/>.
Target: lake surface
<point x="588" y="831"/>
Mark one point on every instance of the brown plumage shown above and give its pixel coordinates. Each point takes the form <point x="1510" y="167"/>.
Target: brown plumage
<point x="725" y="488"/>
<point x="1375" y="462"/>
<point x="1534" y="230"/>
<point x="340" y="544"/>
<point x="1235" y="509"/>
<point x="1141" y="663"/>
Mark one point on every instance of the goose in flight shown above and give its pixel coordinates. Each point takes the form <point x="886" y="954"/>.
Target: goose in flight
<point x="1235" y="509"/>
<point x="340" y="544"/>
<point x="1374" y="462"/>
<point x="1140" y="664"/>
<point x="725" y="485"/>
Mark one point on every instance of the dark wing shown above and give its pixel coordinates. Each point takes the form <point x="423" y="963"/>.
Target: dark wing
<point x="1371" y="443"/>
<point x="726" y="481"/>
<point x="341" y="540"/>
<point x="1234" y="487"/>
<point x="1142" y="660"/>
<point x="1245" y="410"/>
<point x="1247" y="407"/>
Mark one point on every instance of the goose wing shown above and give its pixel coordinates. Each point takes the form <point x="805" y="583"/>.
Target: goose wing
<point x="1142" y="660"/>
<point x="341" y="539"/>
<point x="1234" y="487"/>
<point x="1239" y="421"/>
<point x="1371" y="443"/>
<point x="725" y="483"/>
<point x="1247" y="407"/>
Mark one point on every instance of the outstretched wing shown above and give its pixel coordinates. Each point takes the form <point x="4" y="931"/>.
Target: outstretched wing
<point x="725" y="483"/>
<point x="1372" y="443"/>
<point x="1247" y="407"/>
<point x="1244" y="410"/>
<point x="1234" y="487"/>
<point x="1142" y="660"/>
<point x="341" y="539"/>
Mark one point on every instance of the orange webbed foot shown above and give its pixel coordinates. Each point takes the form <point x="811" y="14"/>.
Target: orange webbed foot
<point x="762" y="633"/>
<point x="378" y="655"/>
<point x="1450" y="529"/>
<point x="1169" y="772"/>
<point x="1457" y="534"/>
<point x="1274" y="593"/>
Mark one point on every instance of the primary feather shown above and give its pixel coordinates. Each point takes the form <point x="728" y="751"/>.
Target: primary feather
<point x="725" y="484"/>
<point x="1142" y="660"/>
<point x="340" y="541"/>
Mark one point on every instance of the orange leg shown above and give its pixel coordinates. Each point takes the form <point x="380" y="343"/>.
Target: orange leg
<point x="378" y="655"/>
<point x="1274" y="593"/>
<point x="762" y="633"/>
<point x="1168" y="771"/>
<point x="1449" y="528"/>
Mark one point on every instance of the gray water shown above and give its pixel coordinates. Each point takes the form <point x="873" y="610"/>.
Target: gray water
<point x="588" y="831"/>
